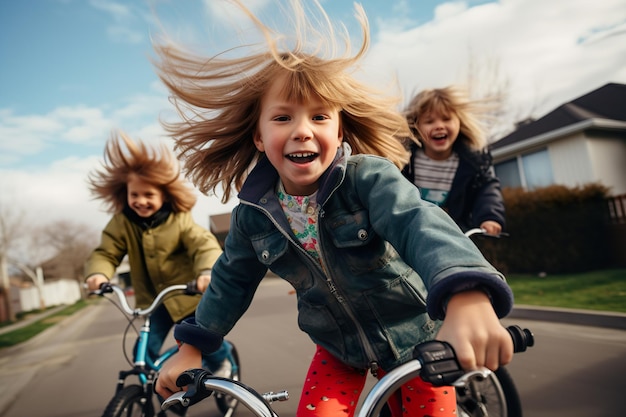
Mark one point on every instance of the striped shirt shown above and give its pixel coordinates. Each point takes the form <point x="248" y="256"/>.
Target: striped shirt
<point x="434" y="178"/>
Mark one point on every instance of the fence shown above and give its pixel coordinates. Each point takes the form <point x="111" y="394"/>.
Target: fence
<point x="63" y="291"/>
<point x="617" y="209"/>
<point x="617" y="228"/>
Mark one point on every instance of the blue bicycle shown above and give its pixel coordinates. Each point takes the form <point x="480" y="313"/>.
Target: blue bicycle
<point x="137" y="399"/>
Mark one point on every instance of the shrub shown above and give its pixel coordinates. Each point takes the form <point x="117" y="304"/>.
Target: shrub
<point x="555" y="229"/>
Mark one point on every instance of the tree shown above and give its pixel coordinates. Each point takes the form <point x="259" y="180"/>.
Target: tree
<point x="62" y="247"/>
<point x="487" y="83"/>
<point x="71" y="244"/>
<point x="11" y="225"/>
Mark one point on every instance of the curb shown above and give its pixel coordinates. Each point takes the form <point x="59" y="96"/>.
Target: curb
<point x="607" y="319"/>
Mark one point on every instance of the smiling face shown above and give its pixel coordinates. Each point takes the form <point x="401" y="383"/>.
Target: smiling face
<point x="299" y="139"/>
<point x="438" y="131"/>
<point x="145" y="199"/>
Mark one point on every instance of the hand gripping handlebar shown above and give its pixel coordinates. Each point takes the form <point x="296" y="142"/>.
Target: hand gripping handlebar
<point x="440" y="365"/>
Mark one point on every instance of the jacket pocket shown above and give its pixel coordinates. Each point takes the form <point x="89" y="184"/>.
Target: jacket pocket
<point x="356" y="244"/>
<point x="269" y="247"/>
<point x="400" y="310"/>
<point x="322" y="327"/>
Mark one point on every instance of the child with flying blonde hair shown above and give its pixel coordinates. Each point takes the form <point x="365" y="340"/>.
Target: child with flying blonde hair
<point x="152" y="224"/>
<point x="453" y="167"/>
<point x="315" y="159"/>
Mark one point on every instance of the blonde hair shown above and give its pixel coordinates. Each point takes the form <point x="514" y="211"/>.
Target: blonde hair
<point x="451" y="100"/>
<point x="219" y="100"/>
<point x="157" y="167"/>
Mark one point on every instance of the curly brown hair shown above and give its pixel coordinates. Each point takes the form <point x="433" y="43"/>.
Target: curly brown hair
<point x="155" y="166"/>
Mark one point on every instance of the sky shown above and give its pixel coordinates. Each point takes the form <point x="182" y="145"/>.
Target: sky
<point x="72" y="71"/>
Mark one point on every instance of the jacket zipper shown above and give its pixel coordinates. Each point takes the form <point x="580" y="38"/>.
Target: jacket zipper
<point x="369" y="351"/>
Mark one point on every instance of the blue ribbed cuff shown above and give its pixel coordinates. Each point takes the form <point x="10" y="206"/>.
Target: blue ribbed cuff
<point x="499" y="292"/>
<point x="188" y="331"/>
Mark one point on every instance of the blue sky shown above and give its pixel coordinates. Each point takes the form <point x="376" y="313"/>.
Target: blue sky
<point x="73" y="70"/>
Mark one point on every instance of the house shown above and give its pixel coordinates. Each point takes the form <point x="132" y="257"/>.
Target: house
<point x="219" y="224"/>
<point x="580" y="142"/>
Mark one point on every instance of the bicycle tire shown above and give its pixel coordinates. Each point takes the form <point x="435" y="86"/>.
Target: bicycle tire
<point x="225" y="403"/>
<point x="513" y="400"/>
<point x="130" y="401"/>
<point x="495" y="396"/>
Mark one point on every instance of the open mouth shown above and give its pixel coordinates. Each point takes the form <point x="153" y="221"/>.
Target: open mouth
<point x="302" y="157"/>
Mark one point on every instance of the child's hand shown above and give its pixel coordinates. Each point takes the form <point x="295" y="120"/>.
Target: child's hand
<point x="491" y="227"/>
<point x="188" y="357"/>
<point x="94" y="281"/>
<point x="202" y="282"/>
<point x="473" y="329"/>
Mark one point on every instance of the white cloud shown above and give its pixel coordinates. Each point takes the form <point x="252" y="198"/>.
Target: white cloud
<point x="447" y="10"/>
<point x="545" y="52"/>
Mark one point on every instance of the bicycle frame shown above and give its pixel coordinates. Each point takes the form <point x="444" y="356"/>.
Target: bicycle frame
<point x="143" y="366"/>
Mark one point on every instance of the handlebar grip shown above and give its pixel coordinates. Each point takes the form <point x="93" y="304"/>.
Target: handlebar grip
<point x="193" y="379"/>
<point x="439" y="363"/>
<point x="522" y="338"/>
<point x="192" y="288"/>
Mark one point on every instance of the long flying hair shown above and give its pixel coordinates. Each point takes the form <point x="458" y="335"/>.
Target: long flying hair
<point x="219" y="99"/>
<point x="124" y="158"/>
<point x="451" y="100"/>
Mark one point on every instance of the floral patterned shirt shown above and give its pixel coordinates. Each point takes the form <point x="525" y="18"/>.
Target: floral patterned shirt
<point x="302" y="211"/>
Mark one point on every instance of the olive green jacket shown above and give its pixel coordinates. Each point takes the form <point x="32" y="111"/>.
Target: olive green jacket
<point x="174" y="252"/>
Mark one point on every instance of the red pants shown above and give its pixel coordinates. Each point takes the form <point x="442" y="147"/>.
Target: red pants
<point x="332" y="389"/>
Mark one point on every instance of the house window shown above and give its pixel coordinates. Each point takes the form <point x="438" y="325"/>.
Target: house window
<point x="530" y="171"/>
<point x="508" y="173"/>
<point x="537" y="169"/>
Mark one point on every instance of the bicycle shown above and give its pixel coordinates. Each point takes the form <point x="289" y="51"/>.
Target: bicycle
<point x="137" y="399"/>
<point x="433" y="361"/>
<point x="497" y="394"/>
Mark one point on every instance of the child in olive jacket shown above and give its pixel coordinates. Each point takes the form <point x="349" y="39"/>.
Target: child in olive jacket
<point x="153" y="226"/>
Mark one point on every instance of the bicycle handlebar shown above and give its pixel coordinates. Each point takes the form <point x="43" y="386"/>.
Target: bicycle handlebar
<point x="108" y="288"/>
<point x="481" y="231"/>
<point x="433" y="361"/>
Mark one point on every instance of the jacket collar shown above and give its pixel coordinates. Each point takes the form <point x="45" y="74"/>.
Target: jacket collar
<point x="155" y="220"/>
<point x="264" y="177"/>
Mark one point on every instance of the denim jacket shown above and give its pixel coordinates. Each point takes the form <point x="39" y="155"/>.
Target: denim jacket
<point x="389" y="262"/>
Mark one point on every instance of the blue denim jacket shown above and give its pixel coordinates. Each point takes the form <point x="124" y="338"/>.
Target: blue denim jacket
<point x="390" y="262"/>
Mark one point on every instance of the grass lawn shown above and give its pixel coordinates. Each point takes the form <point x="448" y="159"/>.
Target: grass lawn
<point x="21" y="335"/>
<point x="596" y="290"/>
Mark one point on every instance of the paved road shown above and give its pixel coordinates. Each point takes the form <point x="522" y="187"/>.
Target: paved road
<point x="70" y="370"/>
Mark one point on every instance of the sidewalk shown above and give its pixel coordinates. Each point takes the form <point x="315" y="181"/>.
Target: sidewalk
<point x="608" y="319"/>
<point x="31" y="319"/>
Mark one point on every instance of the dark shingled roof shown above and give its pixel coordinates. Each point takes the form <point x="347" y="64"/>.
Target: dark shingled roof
<point x="607" y="102"/>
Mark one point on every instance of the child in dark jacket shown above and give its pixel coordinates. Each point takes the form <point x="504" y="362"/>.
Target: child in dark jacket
<point x="453" y="168"/>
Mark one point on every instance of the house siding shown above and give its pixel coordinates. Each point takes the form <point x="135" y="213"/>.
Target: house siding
<point x="608" y="158"/>
<point x="571" y="165"/>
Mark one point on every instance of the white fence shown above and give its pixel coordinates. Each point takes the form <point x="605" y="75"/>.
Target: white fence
<point x="63" y="291"/>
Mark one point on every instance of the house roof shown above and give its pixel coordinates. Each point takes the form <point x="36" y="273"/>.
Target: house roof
<point x="607" y="102"/>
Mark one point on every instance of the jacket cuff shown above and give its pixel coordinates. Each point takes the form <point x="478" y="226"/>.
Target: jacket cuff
<point x="498" y="290"/>
<point x="189" y="332"/>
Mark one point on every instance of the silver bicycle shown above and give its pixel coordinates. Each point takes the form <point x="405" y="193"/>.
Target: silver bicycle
<point x="433" y="361"/>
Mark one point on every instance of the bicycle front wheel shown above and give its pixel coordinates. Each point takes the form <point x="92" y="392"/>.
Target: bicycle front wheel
<point x="494" y="396"/>
<point x="225" y="403"/>
<point x="130" y="401"/>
